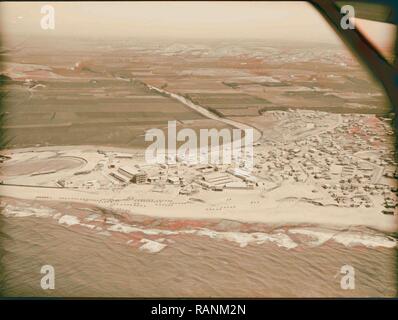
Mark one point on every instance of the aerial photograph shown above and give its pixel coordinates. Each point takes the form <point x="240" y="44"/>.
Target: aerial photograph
<point x="191" y="149"/>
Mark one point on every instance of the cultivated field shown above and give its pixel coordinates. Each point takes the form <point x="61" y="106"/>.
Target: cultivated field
<point x="88" y="93"/>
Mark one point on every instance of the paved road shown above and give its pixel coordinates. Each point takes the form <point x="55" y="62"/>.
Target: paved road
<point x="239" y="125"/>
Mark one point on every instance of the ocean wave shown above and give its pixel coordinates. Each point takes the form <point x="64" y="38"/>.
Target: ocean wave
<point x="151" y="246"/>
<point x="23" y="212"/>
<point x="346" y="238"/>
<point x="317" y="236"/>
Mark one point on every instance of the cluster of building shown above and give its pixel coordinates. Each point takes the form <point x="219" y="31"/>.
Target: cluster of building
<point x="189" y="177"/>
<point x="130" y="174"/>
<point x="347" y="160"/>
<point x="353" y="161"/>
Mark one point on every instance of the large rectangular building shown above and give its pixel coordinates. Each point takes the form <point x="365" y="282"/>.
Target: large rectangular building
<point x="135" y="175"/>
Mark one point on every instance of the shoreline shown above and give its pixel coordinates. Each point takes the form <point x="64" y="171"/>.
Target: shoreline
<point x="290" y="203"/>
<point x="273" y="215"/>
<point x="161" y="231"/>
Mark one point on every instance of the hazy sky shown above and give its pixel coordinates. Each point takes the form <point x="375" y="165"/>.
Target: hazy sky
<point x="273" y="20"/>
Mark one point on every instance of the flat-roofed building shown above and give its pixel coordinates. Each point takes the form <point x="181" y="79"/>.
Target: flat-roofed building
<point x="237" y="185"/>
<point x="118" y="177"/>
<point x="242" y="174"/>
<point x="153" y="178"/>
<point x="139" y="178"/>
<point x="217" y="179"/>
<point x="173" y="180"/>
<point x="135" y="175"/>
